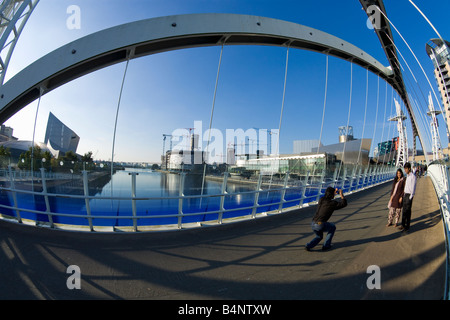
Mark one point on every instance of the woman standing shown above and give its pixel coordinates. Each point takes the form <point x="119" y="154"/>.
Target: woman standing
<point x="395" y="202"/>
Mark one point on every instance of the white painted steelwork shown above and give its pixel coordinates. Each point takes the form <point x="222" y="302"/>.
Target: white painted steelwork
<point x="145" y="37"/>
<point x="14" y="15"/>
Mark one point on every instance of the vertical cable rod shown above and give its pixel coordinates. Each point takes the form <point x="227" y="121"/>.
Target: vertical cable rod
<point x="210" y="121"/>
<point x="115" y="123"/>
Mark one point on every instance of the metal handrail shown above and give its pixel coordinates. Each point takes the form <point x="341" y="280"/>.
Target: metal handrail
<point x="440" y="177"/>
<point x="356" y="182"/>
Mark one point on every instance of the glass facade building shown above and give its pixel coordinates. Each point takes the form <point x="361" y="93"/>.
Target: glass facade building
<point x="59" y="137"/>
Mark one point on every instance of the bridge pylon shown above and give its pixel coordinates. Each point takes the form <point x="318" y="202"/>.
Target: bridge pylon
<point x="402" y="148"/>
<point x="437" y="149"/>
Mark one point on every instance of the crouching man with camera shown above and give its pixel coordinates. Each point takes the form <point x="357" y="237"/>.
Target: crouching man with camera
<point x="320" y="223"/>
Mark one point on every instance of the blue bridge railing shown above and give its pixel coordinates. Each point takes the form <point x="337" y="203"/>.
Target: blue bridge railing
<point x="73" y="202"/>
<point x="439" y="173"/>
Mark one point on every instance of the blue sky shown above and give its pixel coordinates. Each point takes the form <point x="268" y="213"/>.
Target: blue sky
<point x="168" y="91"/>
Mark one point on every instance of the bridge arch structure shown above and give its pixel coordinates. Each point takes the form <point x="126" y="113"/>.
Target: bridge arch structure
<point x="150" y="36"/>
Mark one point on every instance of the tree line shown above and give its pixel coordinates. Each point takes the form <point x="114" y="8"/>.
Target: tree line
<point x="35" y="158"/>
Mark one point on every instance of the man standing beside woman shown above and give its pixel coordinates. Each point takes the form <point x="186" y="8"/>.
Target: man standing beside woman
<point x="402" y="194"/>
<point x="408" y="195"/>
<point x="395" y="202"/>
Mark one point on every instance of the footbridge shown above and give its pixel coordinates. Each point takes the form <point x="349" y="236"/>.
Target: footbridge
<point x="62" y="238"/>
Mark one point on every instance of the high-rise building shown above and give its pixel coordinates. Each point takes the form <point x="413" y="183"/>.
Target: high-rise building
<point x="59" y="137"/>
<point x="439" y="52"/>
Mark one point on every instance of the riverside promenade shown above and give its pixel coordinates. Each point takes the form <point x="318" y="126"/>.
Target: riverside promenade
<point x="259" y="259"/>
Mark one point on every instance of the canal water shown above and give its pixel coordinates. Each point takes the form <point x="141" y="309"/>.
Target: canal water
<point x="163" y="189"/>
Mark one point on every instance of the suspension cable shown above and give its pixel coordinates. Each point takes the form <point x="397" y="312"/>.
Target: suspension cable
<point x="417" y="84"/>
<point x="348" y="121"/>
<point x="115" y="124"/>
<point x="390" y="122"/>
<point x="41" y="91"/>
<point x="324" y="104"/>
<point x="210" y="121"/>
<point x="365" y="112"/>
<point x="417" y="60"/>
<point x="376" y="114"/>
<point x="281" y="112"/>
<point x="384" y="120"/>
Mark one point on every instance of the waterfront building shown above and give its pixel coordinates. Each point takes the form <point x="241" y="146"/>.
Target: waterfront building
<point x="305" y="146"/>
<point x="17" y="147"/>
<point x="354" y="151"/>
<point x="6" y="133"/>
<point x="299" y="165"/>
<point x="184" y="160"/>
<point x="60" y="138"/>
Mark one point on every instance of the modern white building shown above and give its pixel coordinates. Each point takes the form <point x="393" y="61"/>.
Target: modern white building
<point x="305" y="146"/>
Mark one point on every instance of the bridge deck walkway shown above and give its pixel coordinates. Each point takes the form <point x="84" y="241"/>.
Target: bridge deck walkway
<point x="259" y="259"/>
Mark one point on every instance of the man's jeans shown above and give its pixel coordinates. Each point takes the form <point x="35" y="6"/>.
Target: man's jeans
<point x="406" y="214"/>
<point x="319" y="229"/>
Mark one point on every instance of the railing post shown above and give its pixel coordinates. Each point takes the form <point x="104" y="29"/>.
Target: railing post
<point x="352" y="178"/>
<point x="320" y="185"/>
<point x="366" y="171"/>
<point x="379" y="173"/>
<point x="14" y="195"/>
<point x="180" y="199"/>
<point x="222" y="197"/>
<point x="258" y="190"/>
<point x="283" y="192"/>
<point x="358" y="177"/>
<point x="133" y="196"/>
<point x="335" y="176"/>
<point x="344" y="178"/>
<point x="371" y="174"/>
<point x="44" y="191"/>
<point x="86" y="199"/>
<point x="374" y="175"/>
<point x="305" y="184"/>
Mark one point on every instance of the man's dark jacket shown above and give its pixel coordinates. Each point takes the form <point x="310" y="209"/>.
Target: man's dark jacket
<point x="326" y="208"/>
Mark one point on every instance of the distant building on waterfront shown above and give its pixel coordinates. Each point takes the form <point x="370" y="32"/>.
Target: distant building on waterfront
<point x="6" y="134"/>
<point x="348" y="150"/>
<point x="312" y="156"/>
<point x="300" y="165"/>
<point x="17" y="147"/>
<point x="60" y="138"/>
<point x="184" y="158"/>
<point x="438" y="51"/>
<point x="355" y="151"/>
<point x="386" y="151"/>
